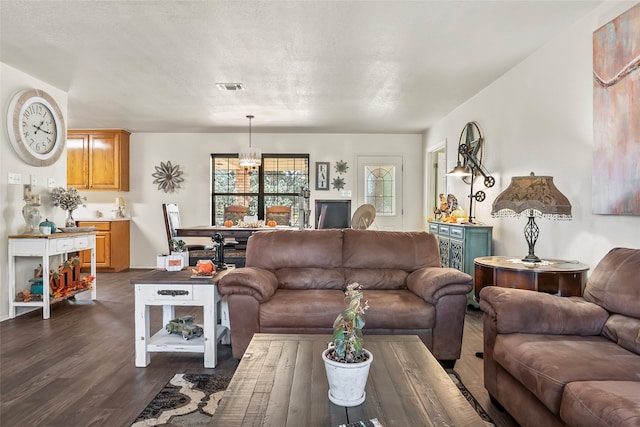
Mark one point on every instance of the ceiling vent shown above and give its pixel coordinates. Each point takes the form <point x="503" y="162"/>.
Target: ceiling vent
<point x="230" y="86"/>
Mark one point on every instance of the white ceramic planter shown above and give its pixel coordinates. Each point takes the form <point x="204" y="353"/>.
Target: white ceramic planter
<point x="347" y="380"/>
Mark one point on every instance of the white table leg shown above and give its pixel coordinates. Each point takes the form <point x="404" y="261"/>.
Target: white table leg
<point x="210" y="342"/>
<point x="12" y="283"/>
<point x="143" y="358"/>
<point x="46" y="302"/>
<point x="168" y="314"/>
<point x="224" y="321"/>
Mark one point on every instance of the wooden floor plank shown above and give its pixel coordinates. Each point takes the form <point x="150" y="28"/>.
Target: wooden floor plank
<point x="89" y="346"/>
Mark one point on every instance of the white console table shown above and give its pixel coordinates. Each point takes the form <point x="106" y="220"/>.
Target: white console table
<point x="44" y="247"/>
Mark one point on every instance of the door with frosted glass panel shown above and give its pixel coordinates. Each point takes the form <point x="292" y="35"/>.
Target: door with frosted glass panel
<point x="379" y="183"/>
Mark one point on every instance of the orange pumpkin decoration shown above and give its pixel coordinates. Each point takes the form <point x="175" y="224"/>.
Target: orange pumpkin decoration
<point x="228" y="223"/>
<point x="272" y="223"/>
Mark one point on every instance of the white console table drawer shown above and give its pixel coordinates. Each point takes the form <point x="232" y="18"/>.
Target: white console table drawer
<point x="81" y="243"/>
<point x="62" y="245"/>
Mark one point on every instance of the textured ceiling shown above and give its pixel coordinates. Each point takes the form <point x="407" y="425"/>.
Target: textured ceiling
<point x="307" y="66"/>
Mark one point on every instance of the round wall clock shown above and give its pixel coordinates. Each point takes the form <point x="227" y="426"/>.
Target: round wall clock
<point x="36" y="127"/>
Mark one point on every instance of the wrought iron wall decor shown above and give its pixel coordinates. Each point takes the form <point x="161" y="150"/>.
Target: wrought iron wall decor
<point x="168" y="177"/>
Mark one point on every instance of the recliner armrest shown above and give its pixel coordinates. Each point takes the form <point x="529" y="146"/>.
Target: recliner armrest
<point x="256" y="282"/>
<point x="432" y="283"/>
<point x="525" y="311"/>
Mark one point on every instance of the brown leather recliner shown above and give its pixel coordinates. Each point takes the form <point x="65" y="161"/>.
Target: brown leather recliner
<point x="294" y="282"/>
<point x="556" y="361"/>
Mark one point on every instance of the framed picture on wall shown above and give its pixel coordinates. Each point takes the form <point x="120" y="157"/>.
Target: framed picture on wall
<point x="322" y="175"/>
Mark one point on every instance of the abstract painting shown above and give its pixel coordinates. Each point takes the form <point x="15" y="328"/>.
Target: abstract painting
<point x="616" y="116"/>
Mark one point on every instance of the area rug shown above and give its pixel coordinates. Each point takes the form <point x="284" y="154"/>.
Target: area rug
<point x="189" y="400"/>
<point x="472" y="400"/>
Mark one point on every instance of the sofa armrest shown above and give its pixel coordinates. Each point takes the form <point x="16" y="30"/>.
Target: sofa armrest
<point x="525" y="311"/>
<point x="432" y="283"/>
<point x="256" y="282"/>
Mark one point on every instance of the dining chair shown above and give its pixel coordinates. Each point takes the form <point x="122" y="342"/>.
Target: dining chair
<point x="172" y="223"/>
<point x="280" y="214"/>
<point x="235" y="213"/>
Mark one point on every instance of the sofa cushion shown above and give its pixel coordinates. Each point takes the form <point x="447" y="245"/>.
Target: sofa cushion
<point x="377" y="278"/>
<point x="397" y="309"/>
<point x="614" y="283"/>
<point x="277" y="249"/>
<point x="390" y="249"/>
<point x="313" y="308"/>
<point x="545" y="363"/>
<point x="310" y="278"/>
<point x="601" y="403"/>
<point x="623" y="330"/>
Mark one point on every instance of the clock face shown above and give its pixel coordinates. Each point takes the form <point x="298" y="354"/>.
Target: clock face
<point x="36" y="127"/>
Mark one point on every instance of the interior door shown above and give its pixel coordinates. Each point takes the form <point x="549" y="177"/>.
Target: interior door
<point x="379" y="183"/>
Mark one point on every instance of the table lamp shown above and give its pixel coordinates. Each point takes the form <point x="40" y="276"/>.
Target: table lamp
<point x="538" y="197"/>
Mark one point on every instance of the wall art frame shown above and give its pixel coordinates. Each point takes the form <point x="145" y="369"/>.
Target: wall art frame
<point x="322" y="176"/>
<point x="616" y="116"/>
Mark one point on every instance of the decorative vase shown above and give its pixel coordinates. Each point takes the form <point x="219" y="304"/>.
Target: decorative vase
<point x="347" y="380"/>
<point x="32" y="217"/>
<point x="70" y="222"/>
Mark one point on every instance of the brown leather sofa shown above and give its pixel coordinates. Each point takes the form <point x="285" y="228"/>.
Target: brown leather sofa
<point x="294" y="282"/>
<point x="555" y="361"/>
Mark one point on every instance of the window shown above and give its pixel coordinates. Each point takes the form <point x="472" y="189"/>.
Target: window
<point x="380" y="188"/>
<point x="276" y="182"/>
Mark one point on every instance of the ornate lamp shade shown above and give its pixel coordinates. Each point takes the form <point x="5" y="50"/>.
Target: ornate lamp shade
<point x="538" y="197"/>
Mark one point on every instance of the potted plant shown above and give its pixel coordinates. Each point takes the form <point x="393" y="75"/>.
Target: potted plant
<point x="346" y="361"/>
<point x="177" y="245"/>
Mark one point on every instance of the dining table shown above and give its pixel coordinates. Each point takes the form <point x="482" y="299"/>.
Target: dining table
<point x="235" y="238"/>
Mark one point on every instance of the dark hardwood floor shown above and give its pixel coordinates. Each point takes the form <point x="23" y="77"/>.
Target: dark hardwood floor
<point x="77" y="368"/>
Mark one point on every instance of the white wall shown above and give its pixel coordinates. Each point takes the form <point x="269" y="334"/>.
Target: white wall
<point x="11" y="82"/>
<point x="539" y="117"/>
<point x="192" y="152"/>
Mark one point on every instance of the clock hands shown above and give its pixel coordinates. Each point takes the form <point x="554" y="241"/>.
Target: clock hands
<point x="40" y="128"/>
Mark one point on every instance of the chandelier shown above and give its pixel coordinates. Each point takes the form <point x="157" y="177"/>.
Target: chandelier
<point x="250" y="157"/>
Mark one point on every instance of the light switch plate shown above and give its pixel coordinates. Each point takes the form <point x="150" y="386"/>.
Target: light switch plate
<point x="14" y="178"/>
<point x="33" y="180"/>
<point x="345" y="193"/>
<point x="51" y="182"/>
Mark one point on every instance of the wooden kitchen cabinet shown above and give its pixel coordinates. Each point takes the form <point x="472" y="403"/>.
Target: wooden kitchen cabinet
<point x="98" y="159"/>
<point x="112" y="245"/>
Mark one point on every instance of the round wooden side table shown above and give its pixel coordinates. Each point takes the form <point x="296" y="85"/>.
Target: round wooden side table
<point x="559" y="277"/>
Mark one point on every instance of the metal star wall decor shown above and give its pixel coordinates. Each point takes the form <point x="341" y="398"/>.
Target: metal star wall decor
<point x="337" y="183"/>
<point x="168" y="177"/>
<point x="341" y="167"/>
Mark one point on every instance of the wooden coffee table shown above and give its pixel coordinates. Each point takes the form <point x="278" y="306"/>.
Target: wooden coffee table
<point x="281" y="381"/>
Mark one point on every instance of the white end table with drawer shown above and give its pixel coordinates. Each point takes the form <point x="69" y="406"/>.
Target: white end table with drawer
<point x="44" y="247"/>
<point x="177" y="288"/>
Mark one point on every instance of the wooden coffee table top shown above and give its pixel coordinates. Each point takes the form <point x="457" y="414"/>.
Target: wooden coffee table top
<point x="281" y="381"/>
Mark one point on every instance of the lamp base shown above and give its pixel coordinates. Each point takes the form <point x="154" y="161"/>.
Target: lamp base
<point x="531" y="258"/>
<point x="531" y="232"/>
